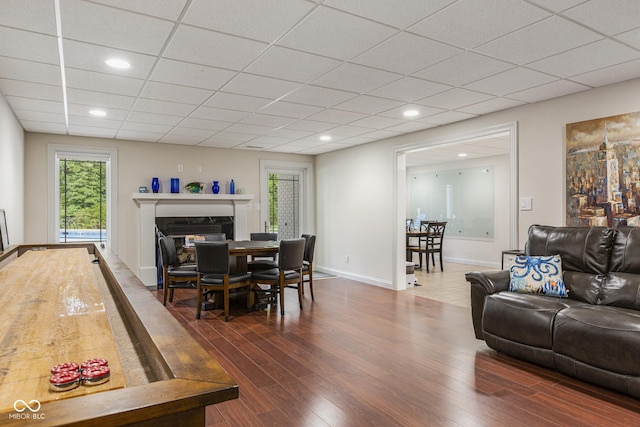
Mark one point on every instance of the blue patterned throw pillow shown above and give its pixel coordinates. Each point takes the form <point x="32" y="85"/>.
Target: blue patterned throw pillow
<point x="537" y="275"/>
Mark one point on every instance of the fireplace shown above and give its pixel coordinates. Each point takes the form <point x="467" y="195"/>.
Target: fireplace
<point x="185" y="225"/>
<point x="199" y="210"/>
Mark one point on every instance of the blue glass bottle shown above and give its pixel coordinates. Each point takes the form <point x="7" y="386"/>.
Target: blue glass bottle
<point x="232" y="187"/>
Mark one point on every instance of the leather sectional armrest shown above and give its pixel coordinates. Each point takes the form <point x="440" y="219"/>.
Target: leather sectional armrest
<point x="484" y="283"/>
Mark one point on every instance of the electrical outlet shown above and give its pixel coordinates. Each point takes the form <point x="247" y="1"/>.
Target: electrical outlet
<point x="346" y="259"/>
<point x="525" y="203"/>
<point x="180" y="168"/>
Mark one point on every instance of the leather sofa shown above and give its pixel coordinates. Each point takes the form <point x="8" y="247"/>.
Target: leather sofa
<point x="594" y="333"/>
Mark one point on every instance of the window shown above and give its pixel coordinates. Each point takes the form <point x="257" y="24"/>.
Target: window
<point x="82" y="194"/>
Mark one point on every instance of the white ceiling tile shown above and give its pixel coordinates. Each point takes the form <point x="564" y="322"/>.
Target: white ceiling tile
<point x="409" y="12"/>
<point x="551" y="90"/>
<point x="557" y="5"/>
<point x="471" y="23"/>
<point x="91" y="80"/>
<point x="187" y="131"/>
<point x="168" y="92"/>
<point x="290" y="109"/>
<point x="163" y="107"/>
<point x="99" y="99"/>
<point x="181" y="139"/>
<point x="318" y="96"/>
<point x="632" y="38"/>
<point x="219" y="114"/>
<point x="607" y="16"/>
<point x="269" y="140"/>
<point x="377" y="122"/>
<point x="146" y="127"/>
<point x="454" y="99"/>
<point x="30" y="90"/>
<point x="447" y="117"/>
<point x="368" y="104"/>
<point x="264" y="20"/>
<point x="606" y="76"/>
<point x="463" y="69"/>
<point x="193" y="75"/>
<point x="423" y="111"/>
<point x="222" y="50"/>
<point x="398" y="54"/>
<point x="267" y="120"/>
<point x="139" y="135"/>
<point x="233" y="136"/>
<point x="30" y="71"/>
<point x="151" y="118"/>
<point x="215" y="142"/>
<point x="264" y="87"/>
<point x="28" y="15"/>
<point x="586" y="58"/>
<point x="542" y="39"/>
<point x="355" y="78"/>
<point x="514" y="80"/>
<point x="311" y="126"/>
<point x="40" y="116"/>
<point x="30" y="46"/>
<point x="381" y="134"/>
<point x="92" y="122"/>
<point x="249" y="129"/>
<point x="195" y="123"/>
<point x="45" y="127"/>
<point x="83" y="111"/>
<point x="358" y="140"/>
<point x="289" y="64"/>
<point x="86" y="56"/>
<point x="18" y="103"/>
<point x="410" y="127"/>
<point x="337" y="116"/>
<point x="491" y="105"/>
<point x="166" y="9"/>
<point x="106" y="26"/>
<point x="409" y="89"/>
<point x="92" y="131"/>
<point x="348" y="130"/>
<point x="290" y="133"/>
<point x="286" y="148"/>
<point x="234" y="101"/>
<point x="332" y="33"/>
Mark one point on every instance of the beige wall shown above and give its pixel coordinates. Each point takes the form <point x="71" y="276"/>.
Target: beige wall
<point x="138" y="162"/>
<point x="12" y="172"/>
<point x="359" y="181"/>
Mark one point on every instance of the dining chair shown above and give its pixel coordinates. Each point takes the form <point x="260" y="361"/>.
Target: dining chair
<point x="307" y="265"/>
<point x="174" y="275"/>
<point x="434" y="240"/>
<point x="288" y="273"/>
<point x="215" y="237"/>
<point x="263" y="263"/>
<point x="212" y="262"/>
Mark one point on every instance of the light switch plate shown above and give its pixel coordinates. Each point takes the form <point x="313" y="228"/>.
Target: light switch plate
<point x="525" y="203"/>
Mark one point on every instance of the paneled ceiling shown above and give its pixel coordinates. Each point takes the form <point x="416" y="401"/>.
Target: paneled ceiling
<point x="277" y="75"/>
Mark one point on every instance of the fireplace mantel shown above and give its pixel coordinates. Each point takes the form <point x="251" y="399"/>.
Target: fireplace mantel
<point x="154" y="205"/>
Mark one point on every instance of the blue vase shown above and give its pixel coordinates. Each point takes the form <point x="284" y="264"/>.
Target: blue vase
<point x="155" y="185"/>
<point x="215" y="188"/>
<point x="232" y="187"/>
<point x="175" y="185"/>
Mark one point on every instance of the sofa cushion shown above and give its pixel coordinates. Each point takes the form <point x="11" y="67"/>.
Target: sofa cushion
<point x="621" y="290"/>
<point x="625" y="252"/>
<point x="537" y="275"/>
<point x="583" y="286"/>
<point x="604" y="337"/>
<point x="523" y="318"/>
<point x="583" y="249"/>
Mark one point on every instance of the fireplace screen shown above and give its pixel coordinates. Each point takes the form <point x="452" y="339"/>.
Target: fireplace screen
<point x="184" y="226"/>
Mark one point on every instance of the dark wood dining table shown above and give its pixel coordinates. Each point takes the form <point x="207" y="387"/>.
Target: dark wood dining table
<point x="410" y="234"/>
<point x="242" y="249"/>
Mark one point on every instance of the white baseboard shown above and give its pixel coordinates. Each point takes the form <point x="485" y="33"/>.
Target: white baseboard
<point x="357" y="277"/>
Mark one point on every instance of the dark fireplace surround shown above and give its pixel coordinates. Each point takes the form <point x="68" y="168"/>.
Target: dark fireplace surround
<point x="187" y="225"/>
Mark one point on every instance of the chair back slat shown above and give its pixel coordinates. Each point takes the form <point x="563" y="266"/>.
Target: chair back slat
<point x="291" y="254"/>
<point x="212" y="257"/>
<point x="263" y="236"/>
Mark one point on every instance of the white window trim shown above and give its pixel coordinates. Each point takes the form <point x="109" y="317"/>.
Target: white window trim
<point x="57" y="151"/>
<point x="307" y="211"/>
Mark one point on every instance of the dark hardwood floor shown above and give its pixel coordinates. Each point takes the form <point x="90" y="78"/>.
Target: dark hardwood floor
<point x="365" y="356"/>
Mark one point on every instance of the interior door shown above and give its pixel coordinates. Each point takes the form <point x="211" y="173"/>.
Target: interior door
<point x="284" y="216"/>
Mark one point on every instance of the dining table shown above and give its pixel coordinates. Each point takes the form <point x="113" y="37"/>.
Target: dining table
<point x="414" y="234"/>
<point x="242" y="249"/>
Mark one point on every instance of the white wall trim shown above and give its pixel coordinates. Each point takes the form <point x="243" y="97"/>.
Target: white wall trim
<point x="54" y="151"/>
<point x="399" y="166"/>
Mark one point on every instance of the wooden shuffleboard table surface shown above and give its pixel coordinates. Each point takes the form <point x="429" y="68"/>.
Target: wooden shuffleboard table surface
<point x="51" y="312"/>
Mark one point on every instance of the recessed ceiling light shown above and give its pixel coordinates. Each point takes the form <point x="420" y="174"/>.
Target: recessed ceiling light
<point x="325" y="138"/>
<point x="411" y="113"/>
<point x="462" y="155"/>
<point x="98" y="113"/>
<point x="117" y="63"/>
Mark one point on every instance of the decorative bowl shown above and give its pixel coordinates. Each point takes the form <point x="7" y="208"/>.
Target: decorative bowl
<point x="195" y="187"/>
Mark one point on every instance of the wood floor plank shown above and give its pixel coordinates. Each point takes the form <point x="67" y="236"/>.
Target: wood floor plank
<point x="360" y="355"/>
